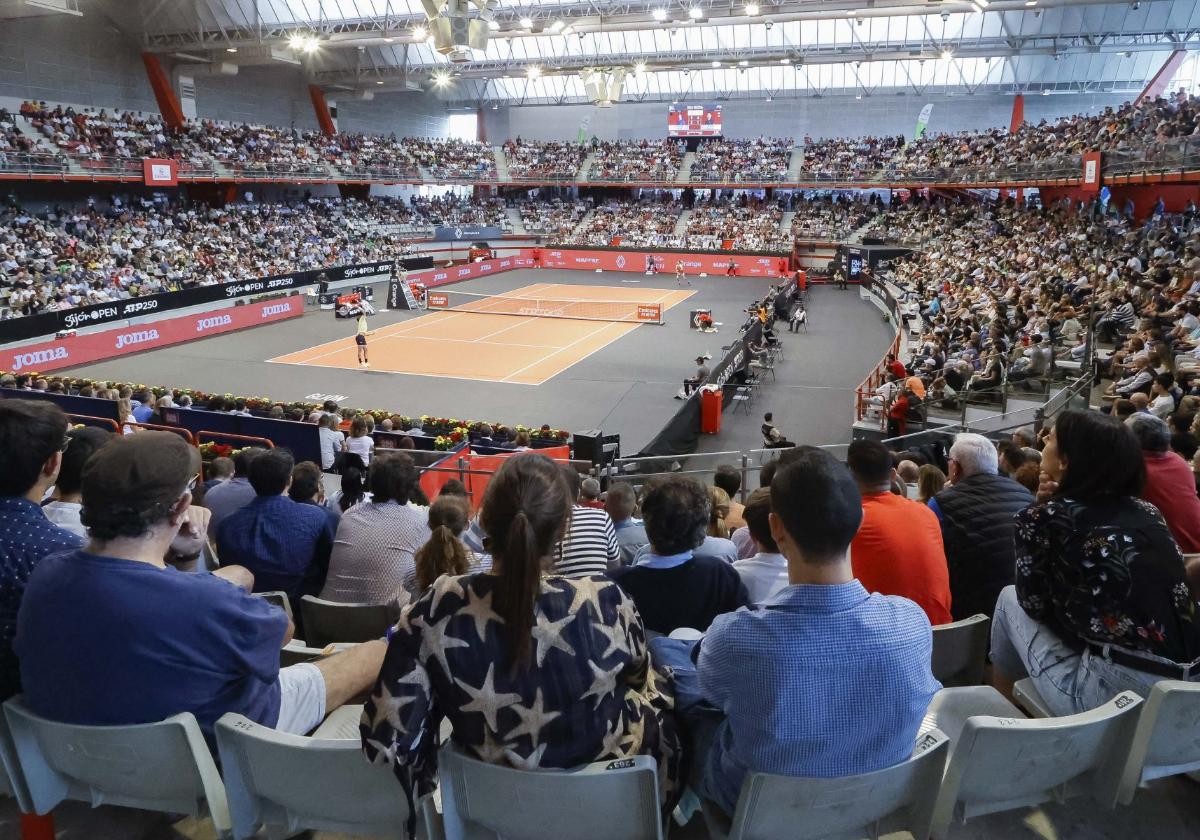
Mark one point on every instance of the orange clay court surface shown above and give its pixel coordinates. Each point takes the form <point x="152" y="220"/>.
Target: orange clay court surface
<point x="525" y="350"/>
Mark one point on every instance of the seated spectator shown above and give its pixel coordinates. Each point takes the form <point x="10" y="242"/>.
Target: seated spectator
<point x="589" y="493"/>
<point x="285" y="545"/>
<point x="589" y="546"/>
<point x="1010" y="457"/>
<point x="1170" y="485"/>
<point x="445" y="553"/>
<point x="819" y="647"/>
<point x="531" y="670"/>
<point x="232" y="495"/>
<point x="729" y="479"/>
<point x="332" y="440"/>
<point x="63" y="507"/>
<point x="1101" y="602"/>
<point x="930" y="481"/>
<point x="374" y="553"/>
<point x="909" y="474"/>
<point x="1028" y="476"/>
<point x="111" y="635"/>
<point x="976" y="512"/>
<point x="671" y="587"/>
<point x="765" y="573"/>
<point x="218" y="470"/>
<point x="898" y="547"/>
<point x="620" y="502"/>
<point x="308" y="488"/>
<point x="353" y="485"/>
<point x="33" y="438"/>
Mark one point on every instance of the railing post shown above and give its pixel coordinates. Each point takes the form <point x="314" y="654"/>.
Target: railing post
<point x="745" y="476"/>
<point x="1039" y="419"/>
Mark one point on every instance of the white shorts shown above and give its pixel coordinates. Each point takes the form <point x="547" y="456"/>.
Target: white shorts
<point x="301" y="698"/>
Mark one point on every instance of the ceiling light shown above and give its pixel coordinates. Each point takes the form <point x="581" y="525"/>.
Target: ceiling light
<point x="379" y="83"/>
<point x="231" y="49"/>
<point x="979" y="5"/>
<point x="419" y="33"/>
<point x="858" y="96"/>
<point x="494" y="25"/>
<point x="441" y="79"/>
<point x="1045" y="93"/>
<point x="388" y="40"/>
<point x="495" y="107"/>
<point x="852" y="12"/>
<point x="568" y="30"/>
<point x="526" y="23"/>
<point x="640" y="67"/>
<point x="716" y="64"/>
<point x="743" y="63"/>
<point x="659" y="14"/>
<point x="751" y="9"/>
<point x="309" y="44"/>
<point x="768" y="99"/>
<point x="1030" y="2"/>
<point x="695" y="13"/>
<point x="947" y="55"/>
<point x="557" y="26"/>
<point x="533" y="71"/>
<point x="296" y="42"/>
<point x="785" y="61"/>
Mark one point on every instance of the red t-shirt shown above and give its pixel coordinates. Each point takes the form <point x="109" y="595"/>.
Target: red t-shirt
<point x="898" y="551"/>
<point x="897" y="367"/>
<point x="1171" y="487"/>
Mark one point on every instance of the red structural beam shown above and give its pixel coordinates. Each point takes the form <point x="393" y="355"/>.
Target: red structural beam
<point x="1156" y="86"/>
<point x="1018" y="113"/>
<point x="164" y="94"/>
<point x="321" y="107"/>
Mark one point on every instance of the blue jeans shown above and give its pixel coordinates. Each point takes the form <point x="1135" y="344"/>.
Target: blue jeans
<point x="700" y="720"/>
<point x="1068" y="680"/>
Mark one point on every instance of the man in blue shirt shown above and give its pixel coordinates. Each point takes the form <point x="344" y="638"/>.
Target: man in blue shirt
<point x="33" y="436"/>
<point x="112" y="635"/>
<point x="232" y="495"/>
<point x="143" y="406"/>
<point x="283" y="543"/>
<point x="841" y="677"/>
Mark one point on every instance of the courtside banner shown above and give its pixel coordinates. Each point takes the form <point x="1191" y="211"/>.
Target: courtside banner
<point x="49" y="323"/>
<point x="664" y="262"/>
<point x="47" y="356"/>
<point x="455" y="273"/>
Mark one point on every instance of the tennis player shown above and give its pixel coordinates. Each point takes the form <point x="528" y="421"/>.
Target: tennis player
<point x="361" y="340"/>
<point x="680" y="275"/>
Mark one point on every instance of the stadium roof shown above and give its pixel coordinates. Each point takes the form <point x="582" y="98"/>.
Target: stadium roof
<point x="670" y="49"/>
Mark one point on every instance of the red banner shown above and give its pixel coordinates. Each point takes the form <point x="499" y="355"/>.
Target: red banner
<point x="431" y="277"/>
<point x="72" y="351"/>
<point x="484" y="466"/>
<point x="160" y="172"/>
<point x="744" y="265"/>
<point x="1091" y="172"/>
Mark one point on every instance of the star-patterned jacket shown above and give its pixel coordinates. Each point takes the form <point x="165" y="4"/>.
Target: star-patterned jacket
<point x="588" y="694"/>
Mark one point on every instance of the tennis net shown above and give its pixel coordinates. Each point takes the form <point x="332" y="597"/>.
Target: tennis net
<point x="547" y="307"/>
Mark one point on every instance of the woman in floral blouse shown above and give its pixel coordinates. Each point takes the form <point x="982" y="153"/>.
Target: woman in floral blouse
<point x="1101" y="602"/>
<point x="531" y="671"/>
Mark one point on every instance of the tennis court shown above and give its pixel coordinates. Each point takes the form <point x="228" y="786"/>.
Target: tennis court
<point x="474" y="343"/>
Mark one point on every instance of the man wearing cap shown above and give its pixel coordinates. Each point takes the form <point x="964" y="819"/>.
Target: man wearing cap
<point x="111" y="635"/>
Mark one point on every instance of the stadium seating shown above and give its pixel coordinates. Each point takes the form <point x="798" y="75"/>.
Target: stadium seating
<point x="163" y="766"/>
<point x="328" y="622"/>
<point x="999" y="761"/>
<point x="288" y="783"/>
<point x="960" y="651"/>
<point x="899" y="798"/>
<point x="478" y="798"/>
<point x="1167" y="739"/>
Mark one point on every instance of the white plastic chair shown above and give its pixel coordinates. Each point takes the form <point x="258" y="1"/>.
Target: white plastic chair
<point x="1167" y="739"/>
<point x="328" y="622"/>
<point x="1026" y="695"/>
<point x="900" y="798"/>
<point x="12" y="780"/>
<point x="960" y="650"/>
<point x="164" y="766"/>
<point x="600" y="801"/>
<point x="288" y="783"/>
<point x="1000" y="761"/>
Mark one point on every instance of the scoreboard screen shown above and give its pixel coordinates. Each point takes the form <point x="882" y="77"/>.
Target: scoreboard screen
<point x="694" y="120"/>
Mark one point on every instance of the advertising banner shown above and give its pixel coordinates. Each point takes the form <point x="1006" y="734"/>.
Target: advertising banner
<point x="72" y="351"/>
<point x="466" y="232"/>
<point x="744" y="265"/>
<point x="455" y="273"/>
<point x="49" y="323"/>
<point x="160" y="172"/>
<point x="1091" y="172"/>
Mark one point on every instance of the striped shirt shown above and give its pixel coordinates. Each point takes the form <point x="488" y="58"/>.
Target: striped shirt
<point x="590" y="546"/>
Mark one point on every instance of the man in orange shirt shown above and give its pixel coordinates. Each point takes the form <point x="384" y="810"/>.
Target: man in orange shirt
<point x="898" y="548"/>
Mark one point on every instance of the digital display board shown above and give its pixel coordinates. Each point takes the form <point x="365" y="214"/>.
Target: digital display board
<point x="694" y="120"/>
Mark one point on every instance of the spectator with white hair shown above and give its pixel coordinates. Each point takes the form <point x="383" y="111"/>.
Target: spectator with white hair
<point x="1170" y="484"/>
<point x="976" y="512"/>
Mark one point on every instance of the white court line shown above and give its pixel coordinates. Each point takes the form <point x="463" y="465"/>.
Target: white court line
<point x="341" y="343"/>
<point x="561" y="349"/>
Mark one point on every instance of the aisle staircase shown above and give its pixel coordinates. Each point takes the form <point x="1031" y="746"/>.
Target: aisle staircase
<point x="501" y="163"/>
<point x="582" y="175"/>
<point x="514" y="218"/>
<point x="584" y="222"/>
<point x="681" y="225"/>
<point x="44" y="145"/>
<point x="685" y="168"/>
<point x="785" y="223"/>
<point x="796" y="163"/>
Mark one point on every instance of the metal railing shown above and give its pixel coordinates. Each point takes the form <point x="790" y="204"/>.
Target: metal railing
<point x="1178" y="155"/>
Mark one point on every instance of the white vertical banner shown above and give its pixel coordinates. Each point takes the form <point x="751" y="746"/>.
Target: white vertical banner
<point x="923" y="120"/>
<point x="187" y="96"/>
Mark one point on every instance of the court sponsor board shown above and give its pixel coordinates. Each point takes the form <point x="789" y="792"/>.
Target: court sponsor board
<point x="48" y="356"/>
<point x="745" y="265"/>
<point x="49" y="323"/>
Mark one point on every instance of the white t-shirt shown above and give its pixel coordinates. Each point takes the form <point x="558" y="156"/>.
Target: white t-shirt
<point x="360" y="446"/>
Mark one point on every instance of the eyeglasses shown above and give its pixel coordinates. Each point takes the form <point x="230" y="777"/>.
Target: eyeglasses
<point x="191" y="485"/>
<point x="65" y="443"/>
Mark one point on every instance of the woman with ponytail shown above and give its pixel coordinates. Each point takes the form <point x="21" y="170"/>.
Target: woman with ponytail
<point x="445" y="553"/>
<point x="532" y="670"/>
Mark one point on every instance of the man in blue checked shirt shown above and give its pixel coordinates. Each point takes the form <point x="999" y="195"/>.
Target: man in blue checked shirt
<point x="841" y="677"/>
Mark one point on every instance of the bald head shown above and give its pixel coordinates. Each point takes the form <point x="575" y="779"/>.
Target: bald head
<point x="909" y="472"/>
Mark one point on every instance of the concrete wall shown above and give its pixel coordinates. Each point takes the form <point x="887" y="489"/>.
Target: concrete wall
<point x="824" y="117"/>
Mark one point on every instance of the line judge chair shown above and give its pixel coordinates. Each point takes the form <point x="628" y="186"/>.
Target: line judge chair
<point x="163" y="766"/>
<point x="599" y="801"/>
<point x="897" y="798"/>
